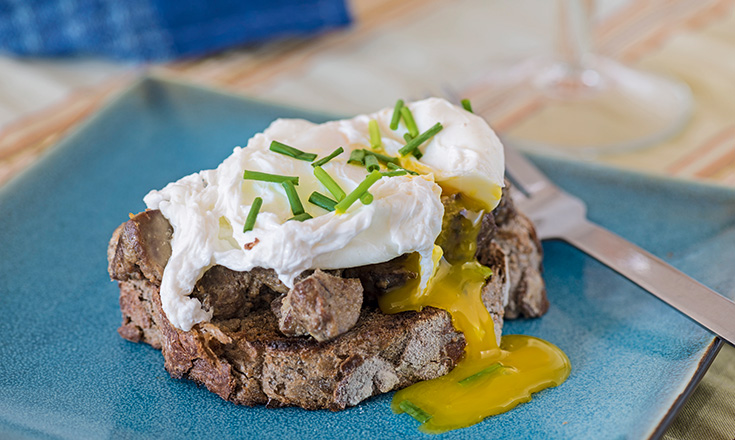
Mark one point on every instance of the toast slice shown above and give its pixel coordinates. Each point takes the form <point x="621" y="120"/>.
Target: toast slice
<point x="243" y="355"/>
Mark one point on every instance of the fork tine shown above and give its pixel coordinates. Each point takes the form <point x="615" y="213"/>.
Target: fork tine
<point x="524" y="174"/>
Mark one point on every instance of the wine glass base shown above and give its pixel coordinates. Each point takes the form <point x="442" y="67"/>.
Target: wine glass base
<point x="547" y="106"/>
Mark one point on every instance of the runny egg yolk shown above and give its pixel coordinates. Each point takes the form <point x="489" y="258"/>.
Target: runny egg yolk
<point x="490" y="378"/>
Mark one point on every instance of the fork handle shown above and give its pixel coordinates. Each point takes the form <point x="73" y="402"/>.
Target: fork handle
<point x="702" y="304"/>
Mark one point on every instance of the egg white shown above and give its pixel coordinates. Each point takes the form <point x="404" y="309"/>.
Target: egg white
<point x="207" y="210"/>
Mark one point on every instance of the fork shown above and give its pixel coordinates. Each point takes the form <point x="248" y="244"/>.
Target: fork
<point x="559" y="215"/>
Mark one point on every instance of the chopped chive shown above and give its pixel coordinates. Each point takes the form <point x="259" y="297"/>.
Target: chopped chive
<point x="416" y="153"/>
<point x="252" y="214"/>
<point x="408" y="120"/>
<point x="301" y="217"/>
<point x="394" y="173"/>
<point x="394" y="167"/>
<point x="382" y="157"/>
<point x="352" y="197"/>
<point x="414" y="411"/>
<point x="357" y="157"/>
<point x="293" y="198"/>
<point x="482" y="373"/>
<point x="467" y="105"/>
<point x="396" y="115"/>
<point x="331" y="156"/>
<point x="322" y="201"/>
<point x="329" y="183"/>
<point x="265" y="177"/>
<point x="371" y="163"/>
<point x="282" y="148"/>
<point x="420" y="139"/>
<point x="375" y="140"/>
<point x="366" y="198"/>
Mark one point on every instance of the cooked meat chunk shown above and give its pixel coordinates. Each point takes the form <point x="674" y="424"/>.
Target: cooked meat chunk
<point x="142" y="246"/>
<point x="379" y="278"/>
<point x="231" y="294"/>
<point x="321" y="305"/>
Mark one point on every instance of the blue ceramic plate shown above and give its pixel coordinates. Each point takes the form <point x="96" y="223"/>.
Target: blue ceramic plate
<point x="65" y="373"/>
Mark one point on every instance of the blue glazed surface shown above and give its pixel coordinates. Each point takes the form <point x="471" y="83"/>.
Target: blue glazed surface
<point x="65" y="373"/>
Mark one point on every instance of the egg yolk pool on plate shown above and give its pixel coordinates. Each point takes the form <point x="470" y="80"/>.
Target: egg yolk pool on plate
<point x="356" y="192"/>
<point x="491" y="378"/>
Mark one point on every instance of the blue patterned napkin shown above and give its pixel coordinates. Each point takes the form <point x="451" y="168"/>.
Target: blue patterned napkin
<point x="156" y="29"/>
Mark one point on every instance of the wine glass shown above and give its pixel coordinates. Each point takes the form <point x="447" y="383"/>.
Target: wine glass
<point x="581" y="104"/>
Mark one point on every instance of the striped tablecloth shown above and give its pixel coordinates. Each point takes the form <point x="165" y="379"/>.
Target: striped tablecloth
<point x="416" y="48"/>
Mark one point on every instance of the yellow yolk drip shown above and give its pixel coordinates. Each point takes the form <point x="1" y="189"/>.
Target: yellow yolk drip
<point x="489" y="379"/>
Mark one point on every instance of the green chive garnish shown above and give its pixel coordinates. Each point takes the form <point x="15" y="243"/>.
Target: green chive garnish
<point x="252" y="214"/>
<point x="416" y="153"/>
<point x="357" y="157"/>
<point x="293" y="198"/>
<point x="466" y="105"/>
<point x="371" y="163"/>
<point x="265" y="177"/>
<point x="414" y="411"/>
<point x="396" y="115"/>
<point x="366" y="198"/>
<point x="331" y="156"/>
<point x="420" y="139"/>
<point x="352" y="197"/>
<point x="322" y="201"/>
<point x="282" y="148"/>
<point x="394" y="173"/>
<point x="408" y="120"/>
<point x="329" y="183"/>
<point x="382" y="157"/>
<point x="301" y="217"/>
<point x="394" y="167"/>
<point x="374" y="130"/>
<point x="494" y="368"/>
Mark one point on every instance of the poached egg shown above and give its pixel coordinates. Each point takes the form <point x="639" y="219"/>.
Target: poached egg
<point x="208" y="209"/>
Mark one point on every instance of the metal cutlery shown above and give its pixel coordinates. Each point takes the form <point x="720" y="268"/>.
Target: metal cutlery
<point x="559" y="215"/>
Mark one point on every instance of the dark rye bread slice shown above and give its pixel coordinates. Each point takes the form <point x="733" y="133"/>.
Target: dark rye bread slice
<point x="242" y="356"/>
<point x="248" y="361"/>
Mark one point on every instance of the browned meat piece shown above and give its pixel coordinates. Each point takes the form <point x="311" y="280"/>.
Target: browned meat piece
<point x="140" y="246"/>
<point x="379" y="278"/>
<point x="321" y="305"/>
<point x="231" y="294"/>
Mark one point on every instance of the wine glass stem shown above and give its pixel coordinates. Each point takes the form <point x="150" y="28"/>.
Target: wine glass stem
<point x="573" y="32"/>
